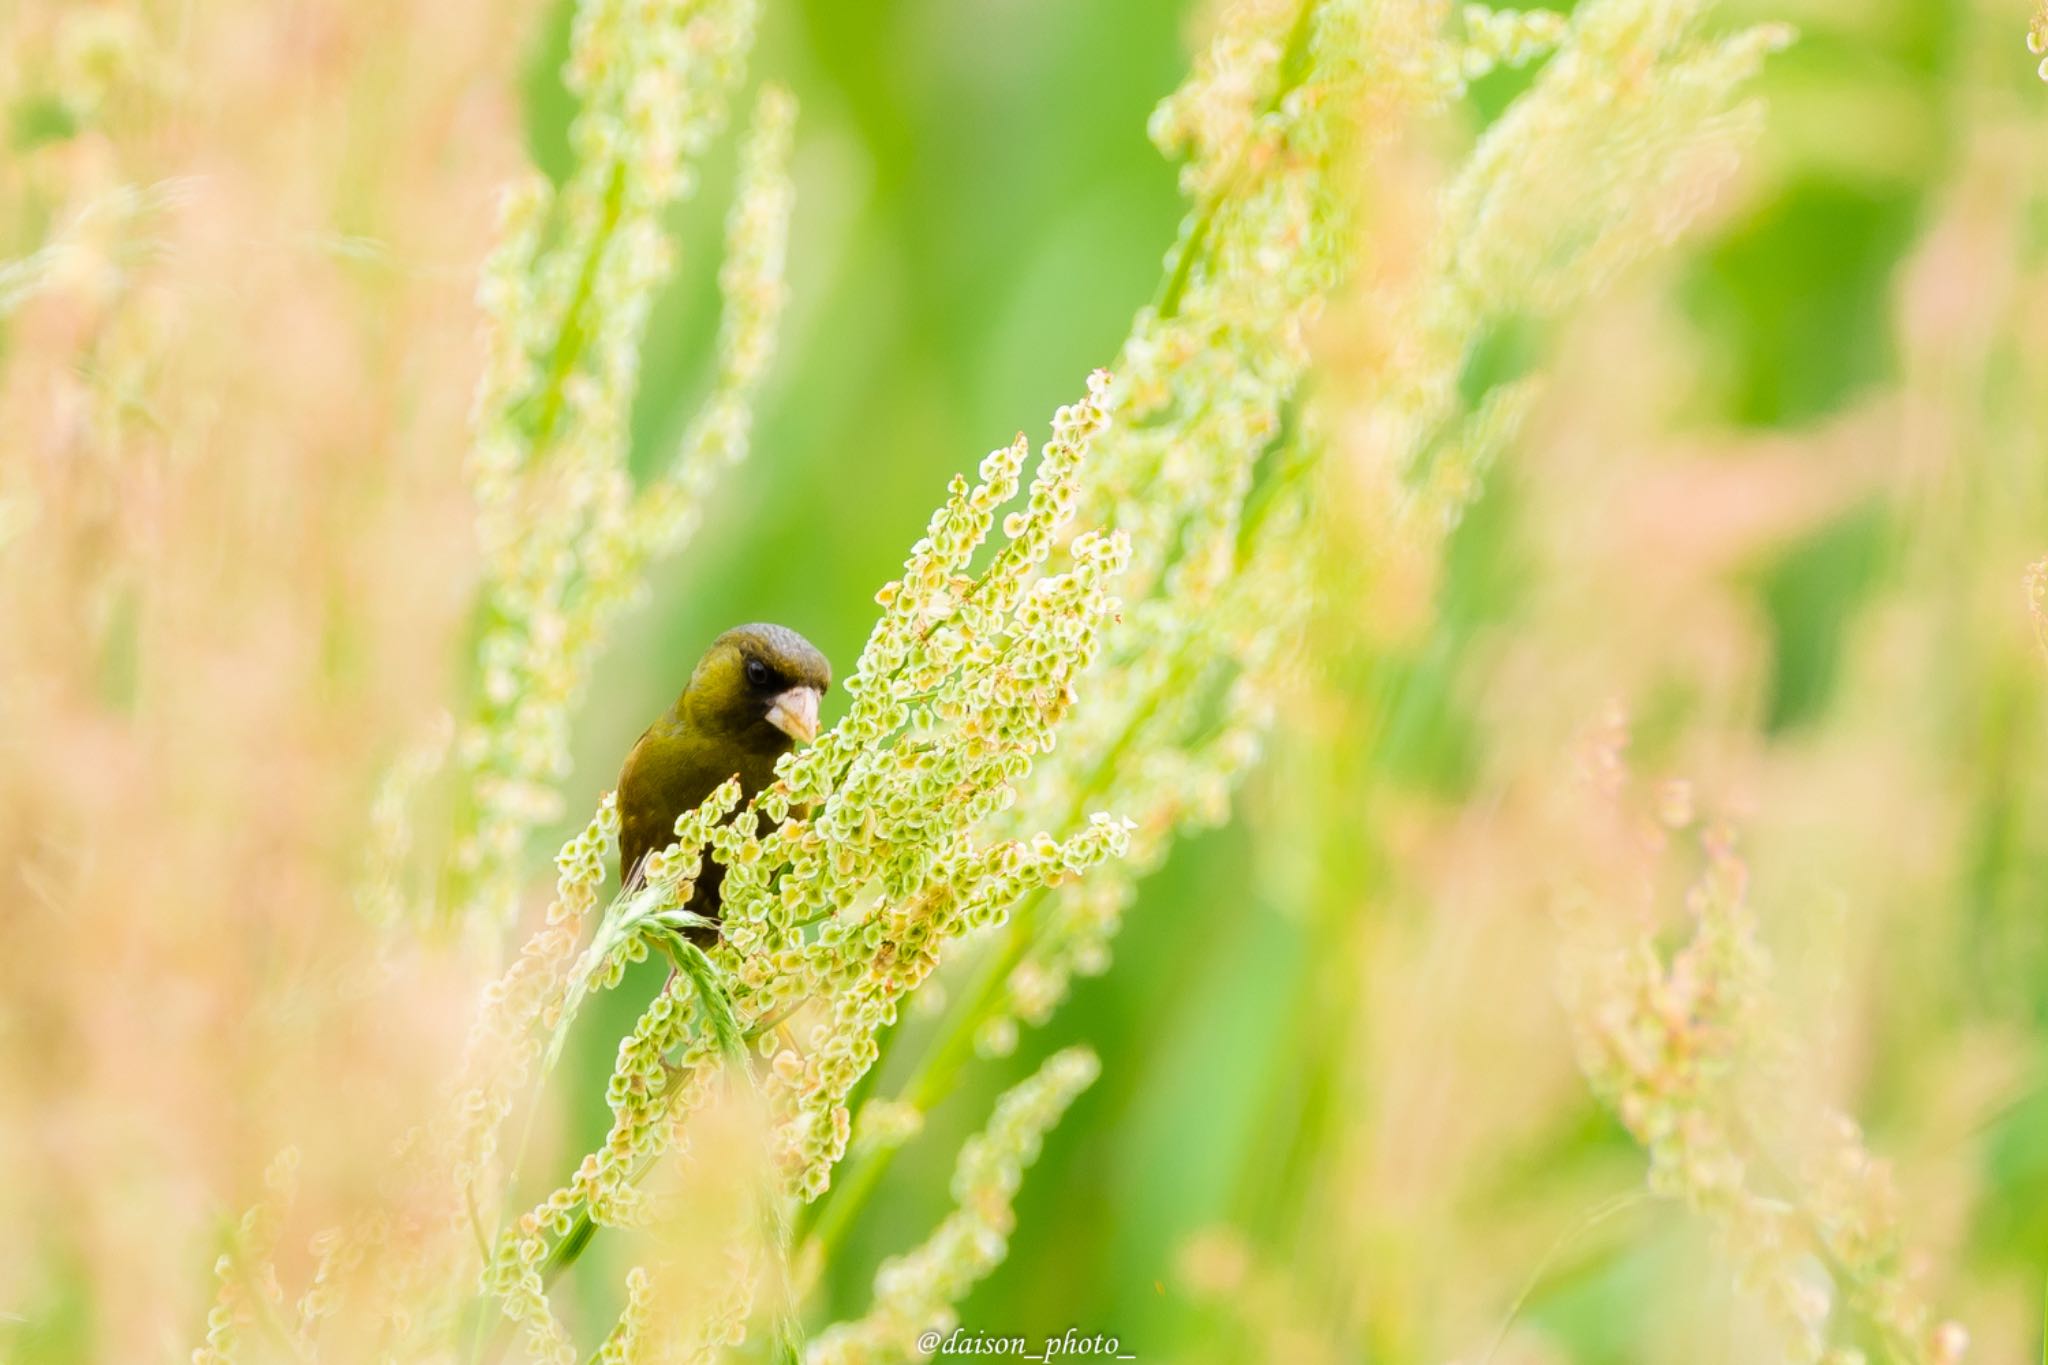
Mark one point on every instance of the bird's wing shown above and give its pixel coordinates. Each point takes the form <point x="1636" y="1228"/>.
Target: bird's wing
<point x="636" y="828"/>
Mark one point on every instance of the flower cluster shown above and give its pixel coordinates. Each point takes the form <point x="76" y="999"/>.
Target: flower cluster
<point x="915" y="1292"/>
<point x="879" y="842"/>
<point x="1495" y="38"/>
<point x="1683" y="1046"/>
<point x="566" y="534"/>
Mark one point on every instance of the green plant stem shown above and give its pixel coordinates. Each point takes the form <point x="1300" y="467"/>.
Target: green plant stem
<point x="1602" y="1212"/>
<point x="732" y="1048"/>
<point x="569" y="341"/>
<point x="1167" y="303"/>
<point x="689" y="959"/>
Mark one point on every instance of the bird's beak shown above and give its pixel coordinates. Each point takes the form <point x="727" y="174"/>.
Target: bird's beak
<point x="795" y="713"/>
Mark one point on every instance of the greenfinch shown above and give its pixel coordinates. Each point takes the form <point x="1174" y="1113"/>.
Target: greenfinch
<point x="751" y="698"/>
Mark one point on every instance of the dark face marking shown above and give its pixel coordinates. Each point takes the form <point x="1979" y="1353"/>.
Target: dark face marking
<point x="746" y="673"/>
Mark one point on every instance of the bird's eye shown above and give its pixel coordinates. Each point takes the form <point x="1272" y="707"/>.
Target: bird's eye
<point x="757" y="673"/>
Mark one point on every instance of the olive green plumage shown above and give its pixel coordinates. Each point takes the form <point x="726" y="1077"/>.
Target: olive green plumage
<point x="751" y="697"/>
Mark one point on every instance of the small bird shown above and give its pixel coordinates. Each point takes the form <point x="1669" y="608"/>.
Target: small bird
<point x="752" y="696"/>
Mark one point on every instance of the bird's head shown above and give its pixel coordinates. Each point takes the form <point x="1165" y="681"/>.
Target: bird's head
<point x="759" y="684"/>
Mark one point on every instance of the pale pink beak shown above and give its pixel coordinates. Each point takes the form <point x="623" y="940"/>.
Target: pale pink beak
<point x="795" y="713"/>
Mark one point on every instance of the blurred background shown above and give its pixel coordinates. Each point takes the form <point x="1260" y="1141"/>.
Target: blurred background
<point x="1778" y="503"/>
